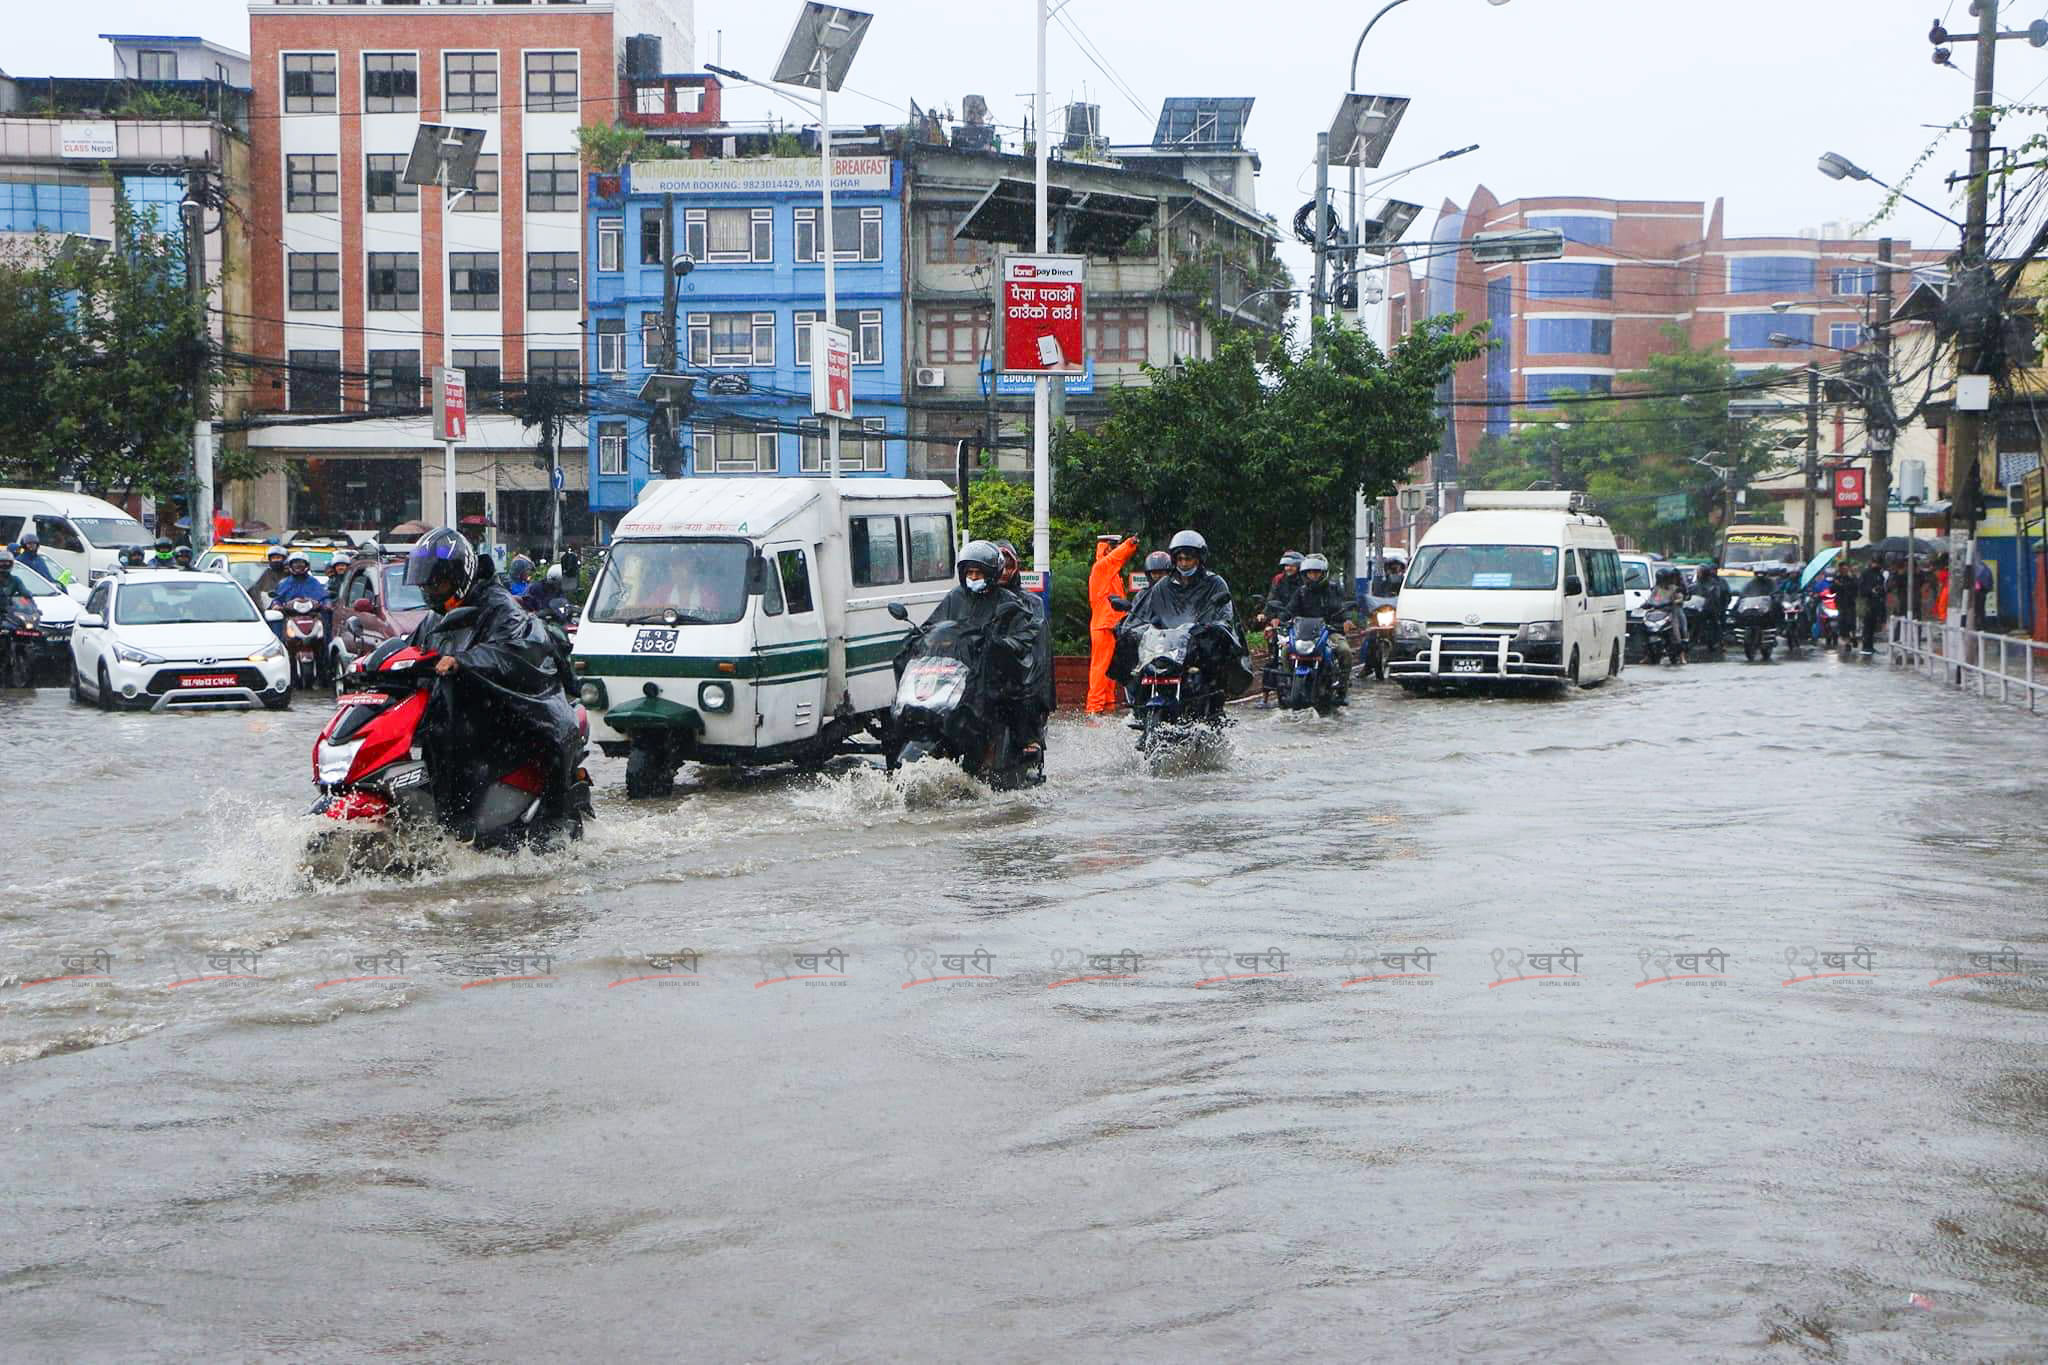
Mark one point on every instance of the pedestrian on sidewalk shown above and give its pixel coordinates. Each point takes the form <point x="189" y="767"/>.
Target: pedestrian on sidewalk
<point x="1871" y="588"/>
<point x="1105" y="580"/>
<point x="1980" y="592"/>
<point x="1940" y="588"/>
<point x="1845" y="603"/>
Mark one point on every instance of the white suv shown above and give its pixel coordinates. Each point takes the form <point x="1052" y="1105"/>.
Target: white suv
<point x="173" y="639"/>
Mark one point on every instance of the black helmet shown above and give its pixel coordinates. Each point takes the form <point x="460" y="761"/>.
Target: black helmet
<point x="163" y="543"/>
<point x="30" y="540"/>
<point x="983" y="555"/>
<point x="1158" y="562"/>
<point x="133" y="556"/>
<point x="522" y="568"/>
<point x="442" y="564"/>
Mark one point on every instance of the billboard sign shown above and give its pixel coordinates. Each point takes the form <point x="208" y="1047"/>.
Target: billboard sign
<point x="451" y="404"/>
<point x="831" y="370"/>
<point x="1044" y="318"/>
<point x="96" y="141"/>
<point x="763" y="175"/>
<point x="1848" y="488"/>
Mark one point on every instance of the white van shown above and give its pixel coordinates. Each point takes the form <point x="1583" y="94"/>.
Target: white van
<point x="745" y="621"/>
<point x="83" y="534"/>
<point x="1518" y="587"/>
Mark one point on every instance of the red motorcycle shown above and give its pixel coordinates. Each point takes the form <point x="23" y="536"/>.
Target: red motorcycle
<point x="370" y="763"/>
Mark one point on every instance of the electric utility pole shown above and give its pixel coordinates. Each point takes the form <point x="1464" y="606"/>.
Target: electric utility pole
<point x="199" y="504"/>
<point x="1968" y="427"/>
<point x="1811" y="471"/>
<point x="670" y="447"/>
<point x="1877" y="424"/>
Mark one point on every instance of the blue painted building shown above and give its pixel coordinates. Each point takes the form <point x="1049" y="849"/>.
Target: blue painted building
<point x="751" y="226"/>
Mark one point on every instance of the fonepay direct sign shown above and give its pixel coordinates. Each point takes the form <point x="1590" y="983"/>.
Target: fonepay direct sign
<point x="831" y="370"/>
<point x="451" y="404"/>
<point x="1044" y="314"/>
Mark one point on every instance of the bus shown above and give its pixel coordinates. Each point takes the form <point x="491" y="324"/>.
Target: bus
<point x="1749" y="546"/>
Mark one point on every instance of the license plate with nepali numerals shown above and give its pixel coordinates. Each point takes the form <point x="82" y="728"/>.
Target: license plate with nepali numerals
<point x="655" y="642"/>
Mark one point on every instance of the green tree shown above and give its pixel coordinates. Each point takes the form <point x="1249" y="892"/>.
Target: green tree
<point x="1630" y="452"/>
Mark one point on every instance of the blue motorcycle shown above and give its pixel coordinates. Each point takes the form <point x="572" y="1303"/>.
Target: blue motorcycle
<point x="1309" y="669"/>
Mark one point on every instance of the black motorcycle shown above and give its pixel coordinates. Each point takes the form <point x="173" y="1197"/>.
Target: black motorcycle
<point x="1176" y="676"/>
<point x="1703" y="634"/>
<point x="1308" y="671"/>
<point x="1661" y="640"/>
<point x="1759" y="618"/>
<point x="1798" y="607"/>
<point x="21" y="642"/>
<point x="947" y="707"/>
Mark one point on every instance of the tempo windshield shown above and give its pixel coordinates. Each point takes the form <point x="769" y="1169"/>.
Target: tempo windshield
<point x="704" y="582"/>
<point x="1512" y="568"/>
<point x="182" y="604"/>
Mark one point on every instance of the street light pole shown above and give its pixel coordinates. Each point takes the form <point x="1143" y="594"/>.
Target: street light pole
<point x="825" y="236"/>
<point x="1041" y="390"/>
<point x="1969" y="426"/>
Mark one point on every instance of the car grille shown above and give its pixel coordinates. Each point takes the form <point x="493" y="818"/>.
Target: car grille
<point x="1484" y="644"/>
<point x="166" y="679"/>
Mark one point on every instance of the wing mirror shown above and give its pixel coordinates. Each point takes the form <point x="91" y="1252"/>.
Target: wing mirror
<point x="362" y="604"/>
<point x="1573" y="587"/>
<point x="757" y="574"/>
<point x="273" y="614"/>
<point x="91" y="620"/>
<point x="899" y="611"/>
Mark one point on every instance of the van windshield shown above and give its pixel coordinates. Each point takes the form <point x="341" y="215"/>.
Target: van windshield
<point x="107" y="532"/>
<point x="703" y="582"/>
<point x="1516" y="568"/>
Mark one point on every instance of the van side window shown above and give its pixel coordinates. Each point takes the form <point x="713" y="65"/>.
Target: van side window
<point x="931" y="548"/>
<point x="1606" y="570"/>
<point x="56" y="534"/>
<point x="771" y="590"/>
<point x="875" y="545"/>
<point x="10" y="528"/>
<point x="796" y="580"/>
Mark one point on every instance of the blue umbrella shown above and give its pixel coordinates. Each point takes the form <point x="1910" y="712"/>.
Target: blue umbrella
<point x="1818" y="563"/>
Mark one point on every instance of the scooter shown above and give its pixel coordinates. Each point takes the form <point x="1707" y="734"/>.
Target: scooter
<point x="1660" y="633"/>
<point x="21" y="642"/>
<point x="1830" y="620"/>
<point x="376" y="787"/>
<point x="305" y="636"/>
<point x="1758" y="619"/>
<point x="1796" y="605"/>
<point x="1311" y="670"/>
<point x="942" y="711"/>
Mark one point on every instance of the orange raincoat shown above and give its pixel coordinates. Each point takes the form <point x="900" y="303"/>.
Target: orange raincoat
<point x="1105" y="580"/>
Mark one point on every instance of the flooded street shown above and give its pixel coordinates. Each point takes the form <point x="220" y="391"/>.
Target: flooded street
<point x="1671" y="1019"/>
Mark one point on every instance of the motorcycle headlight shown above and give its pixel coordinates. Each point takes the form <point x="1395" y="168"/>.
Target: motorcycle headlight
<point x="1753" y="604"/>
<point x="1383" y="617"/>
<point x="1410" y="630"/>
<point x="273" y="650"/>
<point x="128" y="654"/>
<point x="1304" y="647"/>
<point x="593" y="694"/>
<point x="715" y="697"/>
<point x="1536" y="631"/>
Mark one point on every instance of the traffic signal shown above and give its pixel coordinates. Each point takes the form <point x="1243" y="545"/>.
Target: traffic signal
<point x="1848" y="530"/>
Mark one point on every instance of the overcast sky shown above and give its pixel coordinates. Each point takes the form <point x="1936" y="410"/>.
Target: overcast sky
<point x="1672" y="99"/>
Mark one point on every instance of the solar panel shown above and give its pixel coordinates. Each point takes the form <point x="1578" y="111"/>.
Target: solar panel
<point x="1202" y="121"/>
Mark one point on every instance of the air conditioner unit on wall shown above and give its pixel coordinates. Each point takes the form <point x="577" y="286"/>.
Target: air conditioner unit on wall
<point x="930" y="378"/>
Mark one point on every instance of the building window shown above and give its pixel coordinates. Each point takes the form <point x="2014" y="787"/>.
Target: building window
<point x="1861" y="279"/>
<point x="1543" y="386"/>
<point x="865" y="327"/>
<point x="941" y="247"/>
<point x="313" y="381"/>
<point x="957" y="336"/>
<point x="1753" y="331"/>
<point x="394" y="381"/>
<point x="472" y="82"/>
<point x="309" y="82"/>
<point x="550" y="82"/>
<point x="611" y="345"/>
<point x="732" y="340"/>
<point x="611" y="448"/>
<point x="611" y="241"/>
<point x="1845" y="336"/>
<point x="473" y="283"/>
<point x="1580" y="228"/>
<point x="1570" y="336"/>
<point x="314" y="281"/>
<point x="553" y="182"/>
<point x="384" y="186"/>
<point x="485" y="377"/>
<point x="553" y="369"/>
<point x="856" y="234"/>
<point x="729" y="235"/>
<point x="551" y="281"/>
<point x="44" y="206"/>
<point x="1184" y="339"/>
<point x="861" y="449"/>
<point x="484" y="198"/>
<point x="312" y="183"/>
<point x="724" y="450"/>
<point x="394" y="282"/>
<point x="1570" y="280"/>
<point x="156" y="64"/>
<point x="391" y="83"/>
<point x="1770" y="274"/>
<point x="651" y="250"/>
<point x="1116" y="335"/>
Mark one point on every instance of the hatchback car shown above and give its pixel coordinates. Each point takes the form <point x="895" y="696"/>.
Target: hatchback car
<point x="169" y="639"/>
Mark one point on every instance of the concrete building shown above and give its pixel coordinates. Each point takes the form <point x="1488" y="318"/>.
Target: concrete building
<point x="152" y="58"/>
<point x="369" y="282"/>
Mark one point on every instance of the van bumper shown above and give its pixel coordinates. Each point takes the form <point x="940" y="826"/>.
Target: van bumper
<point x="654" y="715"/>
<point x="1477" y="659"/>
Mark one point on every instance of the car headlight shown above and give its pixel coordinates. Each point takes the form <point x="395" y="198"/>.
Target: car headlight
<point x="127" y="654"/>
<point x="715" y="697"/>
<point x="273" y="650"/>
<point x="1410" y="630"/>
<point x="1540" y="630"/>
<point x="593" y="695"/>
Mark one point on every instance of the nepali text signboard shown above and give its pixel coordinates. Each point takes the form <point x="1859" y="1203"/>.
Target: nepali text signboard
<point x="1671" y="507"/>
<point x="1848" y="488"/>
<point x="1016" y="385"/>
<point x="831" y="381"/>
<point x="763" y="175"/>
<point x="1044" y="317"/>
<point x="451" y="404"/>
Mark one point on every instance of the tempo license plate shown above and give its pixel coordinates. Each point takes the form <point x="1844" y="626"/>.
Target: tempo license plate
<point x="206" y="680"/>
<point x="1468" y="665"/>
<point x="655" y="642"/>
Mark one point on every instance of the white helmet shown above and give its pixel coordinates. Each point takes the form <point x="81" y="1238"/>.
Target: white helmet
<point x="1315" y="564"/>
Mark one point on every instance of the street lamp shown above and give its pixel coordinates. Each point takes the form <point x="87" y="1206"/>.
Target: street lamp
<point x="1835" y="166"/>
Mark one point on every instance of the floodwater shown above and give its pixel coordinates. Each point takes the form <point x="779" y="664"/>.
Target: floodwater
<point x="1447" y="1028"/>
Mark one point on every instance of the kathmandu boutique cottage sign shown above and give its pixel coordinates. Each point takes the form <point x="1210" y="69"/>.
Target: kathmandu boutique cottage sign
<point x="761" y="175"/>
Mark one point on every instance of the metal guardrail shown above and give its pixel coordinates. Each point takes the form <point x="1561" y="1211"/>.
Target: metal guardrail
<point x="1956" y="656"/>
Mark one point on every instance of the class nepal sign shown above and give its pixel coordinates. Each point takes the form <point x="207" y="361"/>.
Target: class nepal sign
<point x="95" y="140"/>
<point x="1044" y="315"/>
<point x="762" y="175"/>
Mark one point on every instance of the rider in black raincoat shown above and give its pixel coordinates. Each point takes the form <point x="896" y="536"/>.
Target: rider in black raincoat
<point x="516" y="704"/>
<point x="1009" y="628"/>
<point x="1190" y="595"/>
